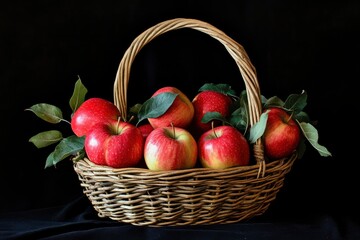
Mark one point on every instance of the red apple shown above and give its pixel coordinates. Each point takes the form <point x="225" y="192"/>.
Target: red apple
<point x="209" y="101"/>
<point x="179" y="114"/>
<point x="282" y="134"/>
<point x="223" y="147"/>
<point x="145" y="129"/>
<point x="170" y="148"/>
<point x="115" y="143"/>
<point x="91" y="112"/>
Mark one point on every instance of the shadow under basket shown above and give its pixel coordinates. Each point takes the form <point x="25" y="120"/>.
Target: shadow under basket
<point x="198" y="196"/>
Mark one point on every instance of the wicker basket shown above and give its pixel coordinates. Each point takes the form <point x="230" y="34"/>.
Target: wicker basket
<point x="185" y="197"/>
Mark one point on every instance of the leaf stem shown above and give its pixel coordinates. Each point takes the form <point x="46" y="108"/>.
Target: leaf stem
<point x="66" y="121"/>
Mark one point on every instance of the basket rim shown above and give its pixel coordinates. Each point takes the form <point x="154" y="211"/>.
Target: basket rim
<point x="197" y="171"/>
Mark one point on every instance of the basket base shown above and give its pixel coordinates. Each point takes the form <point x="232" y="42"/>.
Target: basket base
<point x="183" y="197"/>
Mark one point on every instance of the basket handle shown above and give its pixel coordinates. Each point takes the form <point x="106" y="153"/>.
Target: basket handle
<point x="247" y="70"/>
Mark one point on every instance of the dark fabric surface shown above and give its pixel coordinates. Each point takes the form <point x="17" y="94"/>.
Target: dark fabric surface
<point x="77" y="220"/>
<point x="294" y="45"/>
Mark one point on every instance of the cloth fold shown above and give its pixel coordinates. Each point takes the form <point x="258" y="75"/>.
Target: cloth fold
<point x="78" y="220"/>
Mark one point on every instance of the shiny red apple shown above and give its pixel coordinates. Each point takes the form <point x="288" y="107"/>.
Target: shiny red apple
<point x="179" y="114"/>
<point x="282" y="134"/>
<point x="223" y="147"/>
<point x="114" y="143"/>
<point x="170" y="148"/>
<point x="91" y="112"/>
<point x="209" y="101"/>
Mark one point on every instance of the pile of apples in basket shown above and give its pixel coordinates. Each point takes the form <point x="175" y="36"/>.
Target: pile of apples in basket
<point x="172" y="131"/>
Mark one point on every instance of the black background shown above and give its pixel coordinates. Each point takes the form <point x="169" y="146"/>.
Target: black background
<point x="294" y="45"/>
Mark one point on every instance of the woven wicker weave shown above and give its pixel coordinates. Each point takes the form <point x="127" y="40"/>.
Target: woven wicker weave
<point x="185" y="197"/>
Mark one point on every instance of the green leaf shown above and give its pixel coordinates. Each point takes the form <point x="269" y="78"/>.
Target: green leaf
<point x="263" y="99"/>
<point x="243" y="98"/>
<point x="47" y="112"/>
<point x="240" y="118"/>
<point x="50" y="160"/>
<point x="258" y="129"/>
<point x="301" y="148"/>
<point x="238" y="122"/>
<point x="156" y="106"/>
<point x="135" y="109"/>
<point x="53" y="159"/>
<point x="273" y="102"/>
<point x="47" y="138"/>
<point x="311" y="134"/>
<point x="222" y="88"/>
<point x="302" y="117"/>
<point x="78" y="96"/>
<point x="68" y="146"/>
<point x="210" y="116"/>
<point x="296" y="102"/>
<point x="133" y="113"/>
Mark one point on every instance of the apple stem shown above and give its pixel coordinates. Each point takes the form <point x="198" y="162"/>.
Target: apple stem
<point x="292" y="113"/>
<point x="131" y="118"/>
<point x="212" y="127"/>
<point x="173" y="128"/>
<point x="118" y="124"/>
